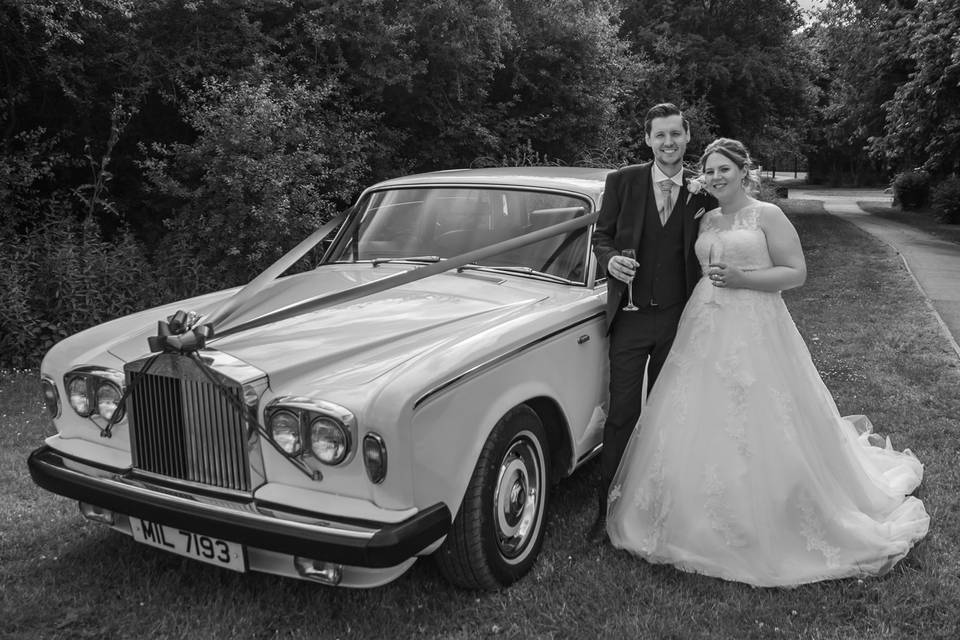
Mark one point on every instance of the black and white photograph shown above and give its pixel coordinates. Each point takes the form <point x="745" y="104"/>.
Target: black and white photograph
<point x="461" y="319"/>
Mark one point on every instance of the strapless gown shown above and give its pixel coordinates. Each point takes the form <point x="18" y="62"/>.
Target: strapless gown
<point x="741" y="466"/>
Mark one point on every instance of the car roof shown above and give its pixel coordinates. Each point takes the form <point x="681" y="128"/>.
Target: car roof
<point x="586" y="180"/>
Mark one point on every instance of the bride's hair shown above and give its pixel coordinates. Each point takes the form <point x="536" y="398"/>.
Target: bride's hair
<point x="738" y="154"/>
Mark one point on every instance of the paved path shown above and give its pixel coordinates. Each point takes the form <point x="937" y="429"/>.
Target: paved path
<point x="933" y="263"/>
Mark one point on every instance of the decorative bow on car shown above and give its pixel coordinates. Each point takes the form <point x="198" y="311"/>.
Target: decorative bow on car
<point x="179" y="334"/>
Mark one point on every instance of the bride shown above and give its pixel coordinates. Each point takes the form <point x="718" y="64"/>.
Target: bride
<point x="741" y="467"/>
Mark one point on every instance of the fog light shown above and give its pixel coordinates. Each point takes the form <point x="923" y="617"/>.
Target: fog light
<point x="326" y="572"/>
<point x="97" y="514"/>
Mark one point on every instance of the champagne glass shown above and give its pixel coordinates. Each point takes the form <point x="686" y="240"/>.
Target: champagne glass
<point x="716" y="255"/>
<point x="630" y="253"/>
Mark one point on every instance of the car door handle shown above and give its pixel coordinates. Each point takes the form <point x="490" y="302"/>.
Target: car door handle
<point x="582" y="339"/>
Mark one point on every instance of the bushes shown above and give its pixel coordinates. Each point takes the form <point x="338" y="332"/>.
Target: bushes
<point x="911" y="189"/>
<point x="63" y="277"/>
<point x="946" y="200"/>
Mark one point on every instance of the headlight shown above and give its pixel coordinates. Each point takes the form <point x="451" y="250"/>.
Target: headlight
<point x="319" y="432"/>
<point x="108" y="400"/>
<point x="93" y="391"/>
<point x="51" y="397"/>
<point x="285" y="430"/>
<point x="329" y="440"/>
<point x="375" y="457"/>
<point x="79" y="395"/>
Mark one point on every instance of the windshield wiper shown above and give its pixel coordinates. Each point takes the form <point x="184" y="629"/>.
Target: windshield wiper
<point x="529" y="271"/>
<point x="377" y="261"/>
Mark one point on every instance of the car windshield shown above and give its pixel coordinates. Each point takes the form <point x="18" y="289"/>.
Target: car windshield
<point x="443" y="222"/>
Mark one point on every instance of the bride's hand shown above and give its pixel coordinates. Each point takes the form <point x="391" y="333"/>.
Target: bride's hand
<point x="723" y="275"/>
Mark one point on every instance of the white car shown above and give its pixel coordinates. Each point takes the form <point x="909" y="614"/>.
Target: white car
<point x="415" y="394"/>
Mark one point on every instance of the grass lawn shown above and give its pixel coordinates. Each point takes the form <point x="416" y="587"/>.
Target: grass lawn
<point x="879" y="350"/>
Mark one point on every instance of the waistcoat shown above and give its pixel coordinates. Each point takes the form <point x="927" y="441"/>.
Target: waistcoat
<point x="660" y="279"/>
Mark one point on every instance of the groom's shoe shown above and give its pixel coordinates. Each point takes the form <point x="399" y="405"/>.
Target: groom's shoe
<point x="597" y="533"/>
<point x="598" y="530"/>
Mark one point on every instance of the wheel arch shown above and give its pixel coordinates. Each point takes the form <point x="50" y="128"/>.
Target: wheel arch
<point x="558" y="434"/>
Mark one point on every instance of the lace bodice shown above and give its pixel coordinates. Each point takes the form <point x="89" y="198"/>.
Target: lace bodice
<point x="739" y="242"/>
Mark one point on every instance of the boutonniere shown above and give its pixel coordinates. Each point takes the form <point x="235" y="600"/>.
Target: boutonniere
<point x="699" y="213"/>
<point x="695" y="186"/>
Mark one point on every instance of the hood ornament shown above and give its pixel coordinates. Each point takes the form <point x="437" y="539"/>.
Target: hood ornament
<point x="180" y="333"/>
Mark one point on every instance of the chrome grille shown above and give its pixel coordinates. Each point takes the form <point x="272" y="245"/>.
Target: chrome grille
<point x="183" y="426"/>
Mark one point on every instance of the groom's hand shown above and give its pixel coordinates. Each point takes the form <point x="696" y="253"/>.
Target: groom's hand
<point x="622" y="268"/>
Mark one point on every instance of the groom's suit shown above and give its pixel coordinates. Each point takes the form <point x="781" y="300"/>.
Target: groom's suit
<point x="667" y="273"/>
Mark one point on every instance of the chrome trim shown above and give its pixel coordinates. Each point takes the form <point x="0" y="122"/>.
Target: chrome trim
<point x="113" y="375"/>
<point x="477" y="369"/>
<point x="142" y="489"/>
<point x="235" y="374"/>
<point x="169" y="485"/>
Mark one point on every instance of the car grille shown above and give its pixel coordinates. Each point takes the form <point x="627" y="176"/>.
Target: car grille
<point x="185" y="427"/>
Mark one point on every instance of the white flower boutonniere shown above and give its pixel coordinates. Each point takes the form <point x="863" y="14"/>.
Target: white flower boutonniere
<point x="695" y="186"/>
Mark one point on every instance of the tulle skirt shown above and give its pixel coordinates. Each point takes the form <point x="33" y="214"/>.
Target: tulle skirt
<point x="742" y="467"/>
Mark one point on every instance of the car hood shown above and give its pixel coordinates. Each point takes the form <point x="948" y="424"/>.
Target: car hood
<point x="356" y="341"/>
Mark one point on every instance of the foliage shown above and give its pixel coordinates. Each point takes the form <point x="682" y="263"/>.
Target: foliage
<point x="859" y="61"/>
<point x="62" y="277"/>
<point x="27" y="178"/>
<point x="911" y="189"/>
<point x="739" y="58"/>
<point x="946" y="200"/>
<point x="271" y="162"/>
<point x="922" y="126"/>
<point x="566" y="81"/>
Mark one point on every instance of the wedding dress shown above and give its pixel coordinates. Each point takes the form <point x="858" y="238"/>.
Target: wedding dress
<point x="741" y="466"/>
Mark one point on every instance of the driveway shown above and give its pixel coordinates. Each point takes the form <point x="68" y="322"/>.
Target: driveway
<point x="933" y="263"/>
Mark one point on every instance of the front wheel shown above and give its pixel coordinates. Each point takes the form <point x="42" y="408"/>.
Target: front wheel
<point x="498" y="531"/>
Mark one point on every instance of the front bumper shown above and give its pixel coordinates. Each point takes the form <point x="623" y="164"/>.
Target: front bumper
<point x="312" y="535"/>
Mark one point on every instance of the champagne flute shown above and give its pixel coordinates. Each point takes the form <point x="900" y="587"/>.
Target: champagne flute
<point x="630" y="253"/>
<point x="716" y="255"/>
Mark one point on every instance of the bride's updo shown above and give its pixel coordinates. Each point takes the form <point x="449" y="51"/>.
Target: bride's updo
<point x="738" y="154"/>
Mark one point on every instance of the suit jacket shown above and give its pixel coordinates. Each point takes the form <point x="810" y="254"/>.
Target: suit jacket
<point x="620" y="224"/>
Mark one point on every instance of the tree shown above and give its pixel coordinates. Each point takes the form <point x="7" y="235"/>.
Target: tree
<point x="857" y="45"/>
<point x="922" y="122"/>
<point x="740" y="59"/>
<point x="272" y="161"/>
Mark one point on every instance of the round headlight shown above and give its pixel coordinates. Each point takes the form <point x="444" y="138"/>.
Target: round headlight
<point x="79" y="397"/>
<point x="285" y="431"/>
<point x="328" y="440"/>
<point x="108" y="400"/>
<point x="51" y="398"/>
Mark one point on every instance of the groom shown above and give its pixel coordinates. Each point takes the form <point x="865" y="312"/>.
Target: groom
<point x="646" y="208"/>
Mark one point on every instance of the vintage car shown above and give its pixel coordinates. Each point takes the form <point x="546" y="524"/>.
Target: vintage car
<point x="415" y="392"/>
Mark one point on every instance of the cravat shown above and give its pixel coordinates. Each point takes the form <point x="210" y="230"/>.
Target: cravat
<point x="666" y="186"/>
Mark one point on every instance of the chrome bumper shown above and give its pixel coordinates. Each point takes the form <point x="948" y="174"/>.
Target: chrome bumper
<point x="246" y="521"/>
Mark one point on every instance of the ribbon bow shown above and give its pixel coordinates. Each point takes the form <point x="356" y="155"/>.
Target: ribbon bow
<point x="177" y="334"/>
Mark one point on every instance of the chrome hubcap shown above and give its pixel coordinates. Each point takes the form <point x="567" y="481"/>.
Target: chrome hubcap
<point x="517" y="496"/>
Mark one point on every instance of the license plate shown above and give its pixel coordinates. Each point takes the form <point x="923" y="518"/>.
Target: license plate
<point x="215" y="551"/>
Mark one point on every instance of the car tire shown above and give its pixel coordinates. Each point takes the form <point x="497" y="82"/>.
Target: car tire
<point x="499" y="529"/>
